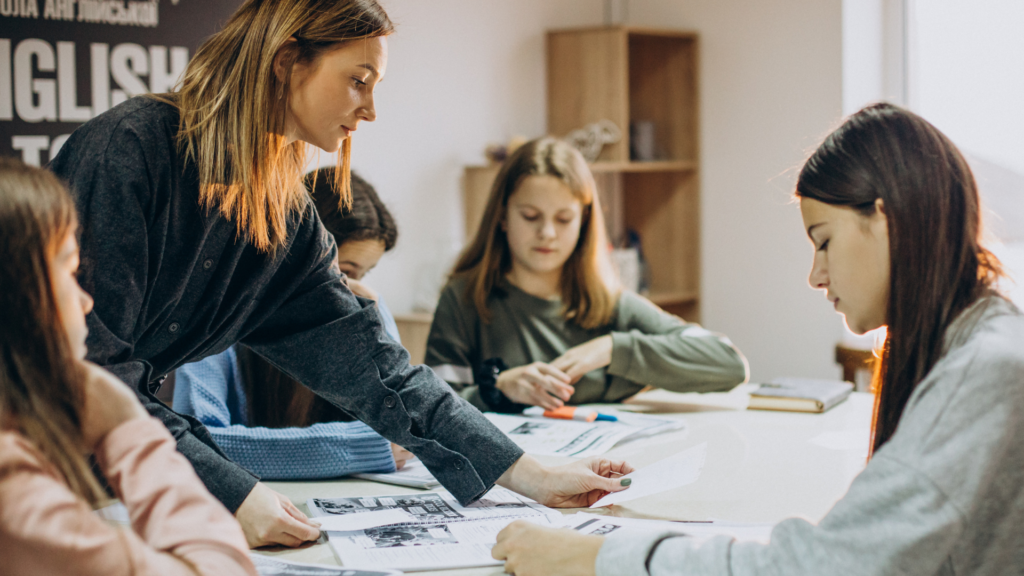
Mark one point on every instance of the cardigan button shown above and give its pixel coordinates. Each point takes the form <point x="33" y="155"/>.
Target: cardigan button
<point x="207" y="264"/>
<point x="458" y="465"/>
<point x="174" y="327"/>
<point x="389" y="401"/>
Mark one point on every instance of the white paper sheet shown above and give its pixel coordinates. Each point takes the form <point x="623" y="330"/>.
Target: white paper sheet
<point x="444" y="534"/>
<point x="269" y="566"/>
<point x="553" y="437"/>
<point x="414" y="475"/>
<point x="600" y="525"/>
<point x="349" y="522"/>
<point x="672" y="472"/>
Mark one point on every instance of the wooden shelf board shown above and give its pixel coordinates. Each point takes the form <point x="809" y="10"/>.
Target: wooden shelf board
<point x="653" y="166"/>
<point x="640" y="30"/>
<point x="675" y="297"/>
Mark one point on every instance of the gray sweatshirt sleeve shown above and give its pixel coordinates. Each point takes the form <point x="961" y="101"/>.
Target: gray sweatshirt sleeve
<point x="945" y="489"/>
<point x="654" y="348"/>
<point x="450" y="350"/>
<point x="892" y="521"/>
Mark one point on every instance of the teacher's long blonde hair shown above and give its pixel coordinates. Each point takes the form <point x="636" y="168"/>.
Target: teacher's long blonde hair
<point x="232" y="108"/>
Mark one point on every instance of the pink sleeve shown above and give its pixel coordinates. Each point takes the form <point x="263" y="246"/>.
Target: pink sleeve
<point x="179" y="528"/>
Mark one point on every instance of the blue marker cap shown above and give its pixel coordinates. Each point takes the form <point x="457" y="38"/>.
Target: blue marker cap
<point x="605" y="418"/>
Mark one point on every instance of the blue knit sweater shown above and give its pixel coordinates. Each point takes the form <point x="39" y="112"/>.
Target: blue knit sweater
<point x="212" y="391"/>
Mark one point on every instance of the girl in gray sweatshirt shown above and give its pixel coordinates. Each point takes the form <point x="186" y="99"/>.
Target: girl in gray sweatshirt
<point x="892" y="210"/>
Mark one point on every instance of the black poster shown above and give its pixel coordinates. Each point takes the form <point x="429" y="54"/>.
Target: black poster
<point x="63" y="62"/>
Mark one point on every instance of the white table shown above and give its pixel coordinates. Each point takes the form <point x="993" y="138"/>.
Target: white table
<point x="761" y="466"/>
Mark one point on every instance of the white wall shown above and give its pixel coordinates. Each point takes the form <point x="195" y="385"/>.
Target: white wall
<point x="466" y="72"/>
<point x="771" y="89"/>
<point x="461" y="74"/>
<point x="966" y="76"/>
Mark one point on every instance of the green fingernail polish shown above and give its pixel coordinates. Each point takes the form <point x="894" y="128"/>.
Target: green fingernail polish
<point x="625" y="481"/>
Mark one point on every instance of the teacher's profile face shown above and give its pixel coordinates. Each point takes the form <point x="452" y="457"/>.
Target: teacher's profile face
<point x="329" y="97"/>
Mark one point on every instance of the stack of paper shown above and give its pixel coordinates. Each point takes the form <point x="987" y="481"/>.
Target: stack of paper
<point x="434" y="531"/>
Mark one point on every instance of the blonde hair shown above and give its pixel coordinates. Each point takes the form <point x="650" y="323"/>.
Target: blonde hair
<point x="232" y="108"/>
<point x="590" y="289"/>
<point x="41" y="383"/>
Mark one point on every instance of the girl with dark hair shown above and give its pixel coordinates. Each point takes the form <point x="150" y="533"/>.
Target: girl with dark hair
<point x="892" y="211"/>
<point x="198" y="234"/>
<point x="264" y="419"/>
<point x="56" y="409"/>
<point x="533" y="314"/>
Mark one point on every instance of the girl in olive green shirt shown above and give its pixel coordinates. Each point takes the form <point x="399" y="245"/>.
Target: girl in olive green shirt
<point x="533" y="314"/>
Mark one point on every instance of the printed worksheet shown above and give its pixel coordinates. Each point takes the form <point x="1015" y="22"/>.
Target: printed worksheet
<point x="441" y="533"/>
<point x="552" y="437"/>
<point x="538" y="434"/>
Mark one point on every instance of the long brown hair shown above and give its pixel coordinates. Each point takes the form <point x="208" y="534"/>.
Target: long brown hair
<point x="275" y="399"/>
<point x="938" y="266"/>
<point x="40" y="381"/>
<point x="590" y="290"/>
<point x="232" y="108"/>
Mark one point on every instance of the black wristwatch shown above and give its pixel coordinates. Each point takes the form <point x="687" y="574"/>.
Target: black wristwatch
<point x="487" y="379"/>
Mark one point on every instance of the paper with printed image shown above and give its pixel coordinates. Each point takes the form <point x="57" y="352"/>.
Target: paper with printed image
<point x="443" y="533"/>
<point x="552" y="437"/>
<point x="673" y="472"/>
<point x="537" y="434"/>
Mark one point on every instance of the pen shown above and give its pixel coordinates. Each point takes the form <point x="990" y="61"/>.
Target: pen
<point x="580" y="414"/>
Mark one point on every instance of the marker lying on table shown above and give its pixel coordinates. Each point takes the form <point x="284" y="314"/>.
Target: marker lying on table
<point x="581" y="414"/>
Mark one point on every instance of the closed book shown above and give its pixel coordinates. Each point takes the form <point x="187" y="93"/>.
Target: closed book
<point x="799" y="395"/>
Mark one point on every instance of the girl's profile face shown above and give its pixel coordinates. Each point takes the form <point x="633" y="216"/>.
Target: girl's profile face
<point x="357" y="257"/>
<point x="73" y="303"/>
<point x="851" y="261"/>
<point x="542" y="223"/>
<point x="328" y="98"/>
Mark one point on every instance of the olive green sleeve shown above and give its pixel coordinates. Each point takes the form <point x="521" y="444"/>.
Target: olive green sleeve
<point x="654" y="348"/>
<point x="451" y="346"/>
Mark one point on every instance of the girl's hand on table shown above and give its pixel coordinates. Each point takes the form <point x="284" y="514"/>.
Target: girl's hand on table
<point x="579" y="360"/>
<point x="536" y="384"/>
<point x="401" y="455"/>
<point x="268" y="517"/>
<point x="531" y="550"/>
<point x="575" y="485"/>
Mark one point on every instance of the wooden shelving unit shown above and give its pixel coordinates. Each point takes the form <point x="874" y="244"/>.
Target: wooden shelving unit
<point x="625" y="75"/>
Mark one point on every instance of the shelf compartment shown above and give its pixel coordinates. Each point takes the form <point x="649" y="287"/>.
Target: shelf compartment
<point x="653" y="166"/>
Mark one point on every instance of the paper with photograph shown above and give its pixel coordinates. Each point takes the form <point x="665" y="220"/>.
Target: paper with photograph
<point x="551" y="437"/>
<point x="442" y="534"/>
<point x="427" y="546"/>
<point x="538" y="434"/>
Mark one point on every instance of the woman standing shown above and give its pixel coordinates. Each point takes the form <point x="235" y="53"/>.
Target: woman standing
<point x="892" y="211"/>
<point x="197" y="234"/>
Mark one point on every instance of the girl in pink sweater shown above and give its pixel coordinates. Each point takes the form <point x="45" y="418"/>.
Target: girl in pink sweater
<point x="55" y="409"/>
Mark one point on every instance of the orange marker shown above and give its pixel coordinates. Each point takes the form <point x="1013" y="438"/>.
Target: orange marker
<point x="580" y="414"/>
